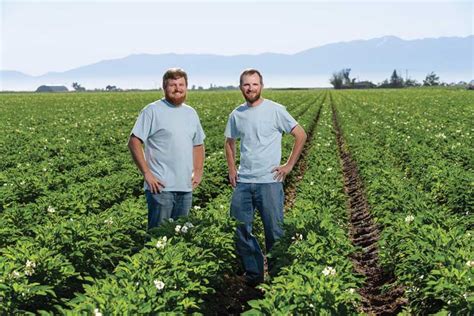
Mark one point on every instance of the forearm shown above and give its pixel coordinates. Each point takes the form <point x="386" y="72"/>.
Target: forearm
<point x="230" y="153"/>
<point x="198" y="158"/>
<point x="136" y="149"/>
<point x="300" y="140"/>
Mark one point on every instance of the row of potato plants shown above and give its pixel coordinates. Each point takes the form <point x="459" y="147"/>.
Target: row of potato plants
<point x="83" y="255"/>
<point x="314" y="274"/>
<point x="175" y="272"/>
<point x="431" y="136"/>
<point x="429" y="248"/>
<point x="180" y="287"/>
<point x="39" y="272"/>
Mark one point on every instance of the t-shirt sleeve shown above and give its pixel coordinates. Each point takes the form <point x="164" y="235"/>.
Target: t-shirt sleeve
<point x="142" y="128"/>
<point x="231" y="130"/>
<point x="199" y="136"/>
<point x="285" y="121"/>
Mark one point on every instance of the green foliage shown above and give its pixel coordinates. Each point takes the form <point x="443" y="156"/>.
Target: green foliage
<point x="31" y="278"/>
<point x="412" y="151"/>
<point x="73" y="238"/>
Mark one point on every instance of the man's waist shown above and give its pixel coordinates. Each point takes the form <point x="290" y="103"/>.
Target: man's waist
<point x="252" y="178"/>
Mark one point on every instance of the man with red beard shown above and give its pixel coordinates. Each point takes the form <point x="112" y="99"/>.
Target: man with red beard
<point x="258" y="183"/>
<point x="172" y="163"/>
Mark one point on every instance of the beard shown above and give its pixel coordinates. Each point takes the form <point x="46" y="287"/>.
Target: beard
<point x="252" y="99"/>
<point x="176" y="100"/>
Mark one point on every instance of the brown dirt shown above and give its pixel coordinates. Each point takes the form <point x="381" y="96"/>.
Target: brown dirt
<point x="232" y="297"/>
<point x="364" y="233"/>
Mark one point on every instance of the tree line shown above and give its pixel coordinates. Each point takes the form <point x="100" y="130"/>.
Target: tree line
<point x="342" y="80"/>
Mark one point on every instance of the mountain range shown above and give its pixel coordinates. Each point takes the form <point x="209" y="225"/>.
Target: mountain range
<point x="452" y="58"/>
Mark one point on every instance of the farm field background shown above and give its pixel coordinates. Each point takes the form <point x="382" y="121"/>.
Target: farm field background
<point x="73" y="215"/>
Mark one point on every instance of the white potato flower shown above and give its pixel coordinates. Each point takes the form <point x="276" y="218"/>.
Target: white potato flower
<point x="161" y="243"/>
<point x="329" y="271"/>
<point x="160" y="285"/>
<point x="30" y="268"/>
<point x="409" y="218"/>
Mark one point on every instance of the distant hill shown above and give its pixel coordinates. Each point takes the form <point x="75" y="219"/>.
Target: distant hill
<point x="13" y="75"/>
<point x="370" y="59"/>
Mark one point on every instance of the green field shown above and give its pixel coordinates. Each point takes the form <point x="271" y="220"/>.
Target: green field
<point x="73" y="215"/>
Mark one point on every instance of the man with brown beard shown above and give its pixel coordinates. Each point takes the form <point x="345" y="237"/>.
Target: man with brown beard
<point x="259" y="123"/>
<point x="172" y="163"/>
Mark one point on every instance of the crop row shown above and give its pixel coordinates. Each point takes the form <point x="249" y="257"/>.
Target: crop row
<point x="314" y="274"/>
<point x="430" y="138"/>
<point x="427" y="245"/>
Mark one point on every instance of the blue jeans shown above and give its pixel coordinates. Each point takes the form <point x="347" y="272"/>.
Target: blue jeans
<point x="165" y="205"/>
<point x="268" y="199"/>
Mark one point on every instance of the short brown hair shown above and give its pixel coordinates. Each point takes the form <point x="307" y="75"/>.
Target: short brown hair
<point x="174" y="73"/>
<point x="249" y="72"/>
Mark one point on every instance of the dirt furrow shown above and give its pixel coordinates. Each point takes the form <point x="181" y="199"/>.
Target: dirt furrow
<point x="364" y="233"/>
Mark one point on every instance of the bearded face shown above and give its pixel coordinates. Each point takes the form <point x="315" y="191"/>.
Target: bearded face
<point x="175" y="90"/>
<point x="251" y="88"/>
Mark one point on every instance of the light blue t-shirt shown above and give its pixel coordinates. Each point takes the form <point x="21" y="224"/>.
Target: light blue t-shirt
<point x="260" y="130"/>
<point x="169" y="133"/>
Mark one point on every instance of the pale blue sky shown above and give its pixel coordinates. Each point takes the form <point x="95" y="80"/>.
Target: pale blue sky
<point x="42" y="36"/>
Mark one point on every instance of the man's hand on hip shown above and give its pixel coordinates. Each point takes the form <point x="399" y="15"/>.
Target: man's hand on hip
<point x="154" y="184"/>
<point x="281" y="172"/>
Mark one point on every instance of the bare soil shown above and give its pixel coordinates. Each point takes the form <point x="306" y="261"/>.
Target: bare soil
<point x="379" y="295"/>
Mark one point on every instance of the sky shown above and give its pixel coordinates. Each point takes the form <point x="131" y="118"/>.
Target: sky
<point x="42" y="36"/>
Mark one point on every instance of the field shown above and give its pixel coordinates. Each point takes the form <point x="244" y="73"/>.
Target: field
<point x="379" y="210"/>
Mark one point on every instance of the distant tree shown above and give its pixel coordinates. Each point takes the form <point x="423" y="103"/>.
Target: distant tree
<point x="341" y="79"/>
<point x="78" y="87"/>
<point x="110" y="88"/>
<point x="411" y="83"/>
<point x="200" y="88"/>
<point x="336" y="80"/>
<point x="193" y="87"/>
<point x="470" y="85"/>
<point x="431" y="80"/>
<point x="396" y="81"/>
<point x="347" y="80"/>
